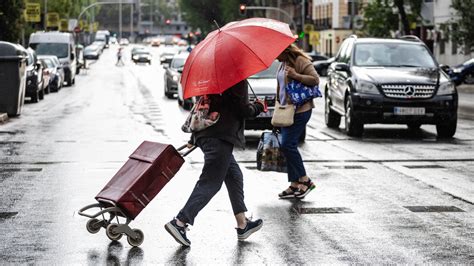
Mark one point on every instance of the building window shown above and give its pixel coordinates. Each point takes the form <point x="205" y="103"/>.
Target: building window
<point x="349" y="7"/>
<point x="178" y="28"/>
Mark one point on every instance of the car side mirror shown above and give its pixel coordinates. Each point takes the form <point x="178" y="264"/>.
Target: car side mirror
<point x="445" y="68"/>
<point x="72" y="56"/>
<point x="342" y="67"/>
<point x="180" y="70"/>
<point x="165" y="66"/>
<point x="38" y="66"/>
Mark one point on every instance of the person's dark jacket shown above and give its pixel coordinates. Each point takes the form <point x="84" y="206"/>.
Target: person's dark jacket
<point x="233" y="106"/>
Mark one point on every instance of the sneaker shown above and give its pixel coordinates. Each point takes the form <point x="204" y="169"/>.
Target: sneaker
<point x="250" y="228"/>
<point x="178" y="232"/>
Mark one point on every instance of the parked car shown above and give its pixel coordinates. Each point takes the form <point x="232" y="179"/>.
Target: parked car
<point x="391" y="81"/>
<point x="322" y="66"/>
<point x="172" y="74"/>
<point x="92" y="52"/>
<point x="100" y="45"/>
<point x="155" y="42"/>
<point x="124" y="41"/>
<point x="463" y="73"/>
<point x="315" y="56"/>
<point x="187" y="104"/>
<point x="167" y="54"/>
<point x="142" y="56"/>
<point x="34" y="77"/>
<point x="264" y="85"/>
<point x="60" y="44"/>
<point x="55" y="71"/>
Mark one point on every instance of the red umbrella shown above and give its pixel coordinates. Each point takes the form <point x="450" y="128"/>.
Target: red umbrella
<point x="233" y="53"/>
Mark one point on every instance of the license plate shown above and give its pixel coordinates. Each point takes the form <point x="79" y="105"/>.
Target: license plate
<point x="269" y="113"/>
<point x="409" y="110"/>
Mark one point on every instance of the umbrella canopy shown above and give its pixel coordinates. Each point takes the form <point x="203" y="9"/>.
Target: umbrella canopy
<point x="233" y="53"/>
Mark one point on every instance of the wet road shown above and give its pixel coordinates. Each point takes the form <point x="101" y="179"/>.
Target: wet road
<point x="366" y="208"/>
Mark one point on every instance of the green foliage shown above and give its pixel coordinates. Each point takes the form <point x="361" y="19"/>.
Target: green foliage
<point x="380" y="18"/>
<point x="10" y="20"/>
<point x="202" y="13"/>
<point x="464" y="24"/>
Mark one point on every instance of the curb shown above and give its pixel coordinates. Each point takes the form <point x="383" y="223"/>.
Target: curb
<point x="3" y="118"/>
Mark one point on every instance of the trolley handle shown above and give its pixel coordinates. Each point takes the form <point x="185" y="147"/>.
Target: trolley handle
<point x="184" y="154"/>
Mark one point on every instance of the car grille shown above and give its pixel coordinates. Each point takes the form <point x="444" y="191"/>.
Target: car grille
<point x="408" y="91"/>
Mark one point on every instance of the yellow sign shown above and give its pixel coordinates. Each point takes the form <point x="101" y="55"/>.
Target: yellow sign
<point x="63" y="25"/>
<point x="32" y="12"/>
<point x="52" y="20"/>
<point x="314" y="38"/>
<point x="95" y="26"/>
<point x="308" y="28"/>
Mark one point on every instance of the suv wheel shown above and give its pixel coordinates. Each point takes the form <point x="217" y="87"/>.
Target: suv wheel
<point x="354" y="127"/>
<point x="331" y="118"/>
<point x="469" y="78"/>
<point x="447" y="130"/>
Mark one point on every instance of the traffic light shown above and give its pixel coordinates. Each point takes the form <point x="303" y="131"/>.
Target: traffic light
<point x="242" y="9"/>
<point x="168" y="21"/>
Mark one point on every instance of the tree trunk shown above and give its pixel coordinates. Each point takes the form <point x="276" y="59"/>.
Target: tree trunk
<point x="403" y="16"/>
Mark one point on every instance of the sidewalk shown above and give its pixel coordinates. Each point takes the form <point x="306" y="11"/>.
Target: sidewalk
<point x="466" y="101"/>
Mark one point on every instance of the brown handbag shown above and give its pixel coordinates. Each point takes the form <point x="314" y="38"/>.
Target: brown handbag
<point x="283" y="115"/>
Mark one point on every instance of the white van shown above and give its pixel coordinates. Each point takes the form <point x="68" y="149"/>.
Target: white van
<point x="60" y="44"/>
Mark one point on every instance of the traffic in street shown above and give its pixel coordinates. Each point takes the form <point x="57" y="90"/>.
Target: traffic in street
<point x="392" y="195"/>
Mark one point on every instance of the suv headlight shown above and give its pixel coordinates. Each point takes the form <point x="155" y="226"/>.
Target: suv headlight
<point x="446" y="88"/>
<point x="457" y="70"/>
<point x="175" y="78"/>
<point x="366" y="87"/>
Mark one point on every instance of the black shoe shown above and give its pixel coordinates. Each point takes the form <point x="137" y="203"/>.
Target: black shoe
<point x="288" y="195"/>
<point x="302" y="193"/>
<point x="178" y="232"/>
<point x="250" y="228"/>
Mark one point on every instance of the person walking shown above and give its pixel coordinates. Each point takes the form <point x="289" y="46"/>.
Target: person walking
<point x="296" y="65"/>
<point x="217" y="143"/>
<point x="119" y="57"/>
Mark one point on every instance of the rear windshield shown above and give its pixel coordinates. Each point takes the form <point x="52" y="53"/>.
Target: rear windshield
<point x="58" y="49"/>
<point x="392" y="55"/>
<point x="178" y="62"/>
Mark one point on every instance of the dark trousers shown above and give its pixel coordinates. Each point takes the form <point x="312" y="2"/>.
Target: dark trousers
<point x="219" y="167"/>
<point x="289" y="145"/>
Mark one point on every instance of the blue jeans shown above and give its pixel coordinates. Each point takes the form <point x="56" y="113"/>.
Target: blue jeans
<point x="289" y="145"/>
<point x="219" y="167"/>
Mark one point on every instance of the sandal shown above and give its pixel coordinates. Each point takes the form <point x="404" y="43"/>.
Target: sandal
<point x="288" y="195"/>
<point x="309" y="186"/>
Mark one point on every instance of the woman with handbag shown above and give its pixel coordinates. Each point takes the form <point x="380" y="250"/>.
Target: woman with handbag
<point x="217" y="142"/>
<point x="296" y="66"/>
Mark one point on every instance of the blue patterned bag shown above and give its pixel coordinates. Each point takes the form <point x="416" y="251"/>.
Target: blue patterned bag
<point x="299" y="93"/>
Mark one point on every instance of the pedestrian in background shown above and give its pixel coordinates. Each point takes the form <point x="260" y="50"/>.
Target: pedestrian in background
<point x="119" y="57"/>
<point x="296" y="65"/>
<point x="217" y="143"/>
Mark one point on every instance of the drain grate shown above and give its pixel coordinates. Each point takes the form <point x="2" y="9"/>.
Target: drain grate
<point x="431" y="166"/>
<point x="8" y="170"/>
<point x="433" y="208"/>
<point x="345" y="167"/>
<point x="328" y="210"/>
<point x="7" y="215"/>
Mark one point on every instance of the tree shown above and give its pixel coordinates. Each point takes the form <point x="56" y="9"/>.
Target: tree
<point x="380" y="17"/>
<point x="11" y="20"/>
<point x="463" y="24"/>
<point x="202" y="13"/>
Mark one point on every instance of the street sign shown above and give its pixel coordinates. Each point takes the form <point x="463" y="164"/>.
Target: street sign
<point x="308" y="28"/>
<point x="32" y="12"/>
<point x="52" y="20"/>
<point x="314" y="38"/>
<point x="63" y="25"/>
<point x="358" y="22"/>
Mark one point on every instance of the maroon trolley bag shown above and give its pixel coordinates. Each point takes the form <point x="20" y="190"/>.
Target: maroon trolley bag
<point x="150" y="167"/>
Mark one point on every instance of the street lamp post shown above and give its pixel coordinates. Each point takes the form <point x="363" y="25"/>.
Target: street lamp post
<point x="292" y="22"/>
<point x="120" y="19"/>
<point x="45" y="12"/>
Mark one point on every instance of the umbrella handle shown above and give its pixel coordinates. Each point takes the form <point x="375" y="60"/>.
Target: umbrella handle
<point x="248" y="83"/>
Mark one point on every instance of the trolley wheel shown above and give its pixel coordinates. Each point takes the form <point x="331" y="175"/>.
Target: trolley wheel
<point x="110" y="234"/>
<point x="93" y="226"/>
<point x="135" y="242"/>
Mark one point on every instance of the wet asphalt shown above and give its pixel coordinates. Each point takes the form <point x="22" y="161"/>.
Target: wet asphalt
<point x="393" y="196"/>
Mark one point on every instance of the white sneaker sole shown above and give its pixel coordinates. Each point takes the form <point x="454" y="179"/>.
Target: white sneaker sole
<point x="176" y="235"/>
<point x="249" y="232"/>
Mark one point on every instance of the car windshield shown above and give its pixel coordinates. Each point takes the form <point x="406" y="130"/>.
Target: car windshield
<point x="178" y="63"/>
<point x="270" y="72"/>
<point x="58" y="49"/>
<point x="143" y="53"/>
<point x="392" y="55"/>
<point x="90" y="49"/>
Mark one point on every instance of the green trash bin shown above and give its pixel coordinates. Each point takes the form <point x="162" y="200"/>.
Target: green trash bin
<point x="12" y="78"/>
